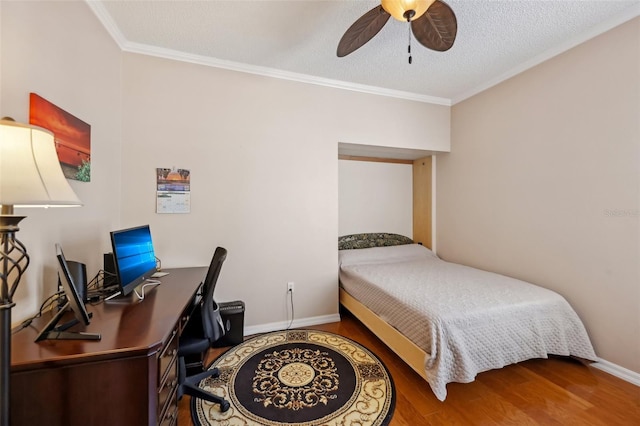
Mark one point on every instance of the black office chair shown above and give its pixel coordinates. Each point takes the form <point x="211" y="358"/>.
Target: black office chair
<point x="196" y="340"/>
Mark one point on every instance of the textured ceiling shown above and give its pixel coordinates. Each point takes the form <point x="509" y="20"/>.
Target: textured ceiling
<point x="297" y="39"/>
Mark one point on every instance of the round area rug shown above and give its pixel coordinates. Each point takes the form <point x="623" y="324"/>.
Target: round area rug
<point x="298" y="377"/>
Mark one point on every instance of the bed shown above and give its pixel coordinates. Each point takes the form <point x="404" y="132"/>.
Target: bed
<point x="447" y="321"/>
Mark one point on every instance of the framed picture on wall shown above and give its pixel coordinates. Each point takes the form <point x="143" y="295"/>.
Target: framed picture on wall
<point x="173" y="190"/>
<point x="72" y="136"/>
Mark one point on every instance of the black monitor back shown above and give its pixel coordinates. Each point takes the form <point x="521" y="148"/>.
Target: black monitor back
<point x="78" y="273"/>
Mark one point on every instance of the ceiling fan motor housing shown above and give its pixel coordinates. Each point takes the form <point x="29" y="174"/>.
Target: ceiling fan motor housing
<point x="406" y="10"/>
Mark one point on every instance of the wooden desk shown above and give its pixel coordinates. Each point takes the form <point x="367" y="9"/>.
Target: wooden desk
<point x="127" y="378"/>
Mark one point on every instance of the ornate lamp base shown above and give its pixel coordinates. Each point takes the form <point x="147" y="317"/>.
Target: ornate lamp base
<point x="13" y="262"/>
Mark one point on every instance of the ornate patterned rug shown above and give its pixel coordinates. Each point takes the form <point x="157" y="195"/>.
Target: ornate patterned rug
<point x="298" y="377"/>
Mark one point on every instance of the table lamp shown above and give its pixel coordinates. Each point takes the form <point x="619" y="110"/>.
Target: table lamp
<point x="30" y="176"/>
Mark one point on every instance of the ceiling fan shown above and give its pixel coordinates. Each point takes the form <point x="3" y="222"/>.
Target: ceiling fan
<point x="433" y="24"/>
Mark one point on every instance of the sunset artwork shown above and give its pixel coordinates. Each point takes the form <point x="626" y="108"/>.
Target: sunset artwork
<point x="72" y="137"/>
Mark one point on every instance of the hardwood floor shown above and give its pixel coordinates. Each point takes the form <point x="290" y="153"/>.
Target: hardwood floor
<point x="556" y="391"/>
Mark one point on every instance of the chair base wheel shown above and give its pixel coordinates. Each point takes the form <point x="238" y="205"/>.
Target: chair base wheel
<point x="224" y="406"/>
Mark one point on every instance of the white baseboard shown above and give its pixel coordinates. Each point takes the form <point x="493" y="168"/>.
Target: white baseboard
<point x="281" y="325"/>
<point x="618" y="371"/>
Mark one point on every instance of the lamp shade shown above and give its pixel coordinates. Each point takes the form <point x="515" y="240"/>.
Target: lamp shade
<point x="30" y="173"/>
<point x="397" y="8"/>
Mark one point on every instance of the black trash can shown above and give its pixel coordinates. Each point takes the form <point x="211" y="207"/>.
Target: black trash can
<point x="232" y="314"/>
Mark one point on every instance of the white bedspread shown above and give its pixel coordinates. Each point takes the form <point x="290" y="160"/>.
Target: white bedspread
<point x="465" y="319"/>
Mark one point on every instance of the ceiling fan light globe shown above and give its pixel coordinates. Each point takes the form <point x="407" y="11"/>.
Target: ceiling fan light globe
<point x="397" y="8"/>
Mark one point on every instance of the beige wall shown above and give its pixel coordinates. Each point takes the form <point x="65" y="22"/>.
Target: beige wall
<point x="264" y="174"/>
<point x="375" y="197"/>
<point x="262" y="151"/>
<point x="543" y="183"/>
<point x="61" y="52"/>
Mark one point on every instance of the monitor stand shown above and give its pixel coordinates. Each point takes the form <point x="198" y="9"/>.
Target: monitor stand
<point x="113" y="296"/>
<point x="52" y="331"/>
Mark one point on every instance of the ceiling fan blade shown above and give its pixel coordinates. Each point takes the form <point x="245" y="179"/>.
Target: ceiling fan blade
<point x="363" y="30"/>
<point x="437" y="28"/>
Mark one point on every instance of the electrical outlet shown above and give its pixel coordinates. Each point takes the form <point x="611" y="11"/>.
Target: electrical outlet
<point x="290" y="286"/>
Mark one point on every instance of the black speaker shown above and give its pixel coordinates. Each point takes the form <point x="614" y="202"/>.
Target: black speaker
<point x="109" y="267"/>
<point x="232" y="314"/>
<point x="78" y="273"/>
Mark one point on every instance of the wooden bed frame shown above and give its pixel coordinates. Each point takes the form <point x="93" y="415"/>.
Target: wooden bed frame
<point x="397" y="342"/>
<point x="422" y="233"/>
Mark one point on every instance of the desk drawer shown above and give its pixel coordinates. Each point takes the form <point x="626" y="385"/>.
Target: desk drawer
<point x="167" y="402"/>
<point x="168" y="374"/>
<point x="167" y="357"/>
<point x="171" y="415"/>
<point x="167" y="390"/>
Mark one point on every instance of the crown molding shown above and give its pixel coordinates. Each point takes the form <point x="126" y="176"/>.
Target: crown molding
<point x="275" y="73"/>
<point x="601" y="28"/>
<point x="126" y="46"/>
<point x="107" y="22"/>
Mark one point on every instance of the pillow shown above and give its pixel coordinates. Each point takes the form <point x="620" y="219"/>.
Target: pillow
<point x="359" y="241"/>
<point x="390" y="254"/>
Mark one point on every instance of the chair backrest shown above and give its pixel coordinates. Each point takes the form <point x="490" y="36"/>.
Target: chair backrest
<point x="211" y="319"/>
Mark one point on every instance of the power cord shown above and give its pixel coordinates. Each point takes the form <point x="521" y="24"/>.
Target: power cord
<point x="290" y="293"/>
<point x="146" y="284"/>
<point x="45" y="306"/>
<point x="96" y="290"/>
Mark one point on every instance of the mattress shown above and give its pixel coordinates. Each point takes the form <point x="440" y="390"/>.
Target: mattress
<point x="466" y="320"/>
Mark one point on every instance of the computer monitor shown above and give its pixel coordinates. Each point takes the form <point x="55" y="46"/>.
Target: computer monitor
<point x="54" y="331"/>
<point x="133" y="257"/>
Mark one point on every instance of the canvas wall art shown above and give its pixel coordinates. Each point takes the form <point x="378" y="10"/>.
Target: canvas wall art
<point x="72" y="136"/>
